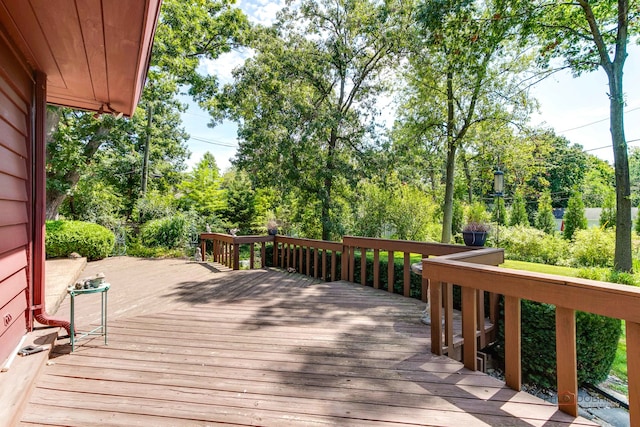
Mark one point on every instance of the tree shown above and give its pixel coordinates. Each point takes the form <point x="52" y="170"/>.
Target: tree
<point x="305" y="102"/>
<point x="574" y="218"/>
<point x="462" y="69"/>
<point x="545" y="220"/>
<point x="240" y="200"/>
<point x="608" y="214"/>
<point x="518" y="214"/>
<point x="202" y="190"/>
<point x="591" y="35"/>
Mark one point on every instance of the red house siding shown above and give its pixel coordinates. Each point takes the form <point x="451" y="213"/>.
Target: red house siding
<point x="16" y="98"/>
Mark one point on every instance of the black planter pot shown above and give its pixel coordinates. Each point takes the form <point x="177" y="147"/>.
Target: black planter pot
<point x="272" y="231"/>
<point x="474" y="238"/>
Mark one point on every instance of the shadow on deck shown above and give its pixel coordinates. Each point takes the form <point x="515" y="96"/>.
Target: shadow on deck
<point x="196" y="344"/>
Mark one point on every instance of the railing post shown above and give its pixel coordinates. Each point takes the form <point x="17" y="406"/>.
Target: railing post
<point x="407" y="275"/>
<point x="512" y="342"/>
<point x="252" y="253"/>
<point x="633" y="371"/>
<point x="308" y="266"/>
<point x="391" y="272"/>
<point x="436" y="317"/>
<point x="469" y="328"/>
<point x="352" y="264"/>
<point x="236" y="256"/>
<point x="344" y="274"/>
<point x="566" y="360"/>
<point x="316" y="266"/>
<point x="263" y="255"/>
<point x="274" y="255"/>
<point x="376" y="268"/>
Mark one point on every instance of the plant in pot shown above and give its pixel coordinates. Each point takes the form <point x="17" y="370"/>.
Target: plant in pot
<point x="272" y="227"/>
<point x="474" y="233"/>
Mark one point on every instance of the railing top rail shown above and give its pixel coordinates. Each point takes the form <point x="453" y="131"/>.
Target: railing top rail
<point x="228" y="238"/>
<point x="320" y="244"/>
<point x="424" y="248"/>
<point x="607" y="299"/>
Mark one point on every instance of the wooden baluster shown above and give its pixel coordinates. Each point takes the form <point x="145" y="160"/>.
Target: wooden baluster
<point x="436" y="318"/>
<point x="324" y="264"/>
<point x="294" y="257"/>
<point x="512" y="342"/>
<point x="344" y="273"/>
<point x="469" y="327"/>
<point x="376" y="268"/>
<point x="308" y="267"/>
<point x="480" y="319"/>
<point x="252" y="250"/>
<point x="236" y="256"/>
<point x="390" y="272"/>
<point x="316" y="265"/>
<point x="633" y="370"/>
<point x="334" y="267"/>
<point x="275" y="253"/>
<point x="566" y="360"/>
<point x="363" y="266"/>
<point x="407" y="274"/>
<point x="203" y="249"/>
<point x="263" y="254"/>
<point x="448" y="319"/>
<point x="352" y="264"/>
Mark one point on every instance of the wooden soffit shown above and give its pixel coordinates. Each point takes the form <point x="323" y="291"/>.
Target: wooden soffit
<point x="95" y="53"/>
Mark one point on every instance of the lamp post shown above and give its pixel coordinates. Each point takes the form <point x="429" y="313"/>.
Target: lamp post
<point x="498" y="191"/>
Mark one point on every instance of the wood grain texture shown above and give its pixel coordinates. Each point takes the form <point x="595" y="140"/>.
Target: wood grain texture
<point x="192" y="344"/>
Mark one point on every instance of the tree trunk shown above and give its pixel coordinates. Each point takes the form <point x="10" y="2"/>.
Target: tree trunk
<point x="328" y="184"/>
<point x="467" y="175"/>
<point x="623" y="255"/>
<point x="447" y="210"/>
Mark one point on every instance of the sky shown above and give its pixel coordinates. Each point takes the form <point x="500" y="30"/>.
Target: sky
<point x="576" y="108"/>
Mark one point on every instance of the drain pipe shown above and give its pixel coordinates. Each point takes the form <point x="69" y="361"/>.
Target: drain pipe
<point x="38" y="200"/>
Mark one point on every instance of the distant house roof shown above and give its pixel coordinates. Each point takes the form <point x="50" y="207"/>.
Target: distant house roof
<point x="95" y="53"/>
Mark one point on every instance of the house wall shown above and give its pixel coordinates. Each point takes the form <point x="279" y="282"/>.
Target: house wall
<point x="16" y="100"/>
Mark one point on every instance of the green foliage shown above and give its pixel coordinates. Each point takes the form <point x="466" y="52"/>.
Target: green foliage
<point x="596" y="340"/>
<point x="608" y="215"/>
<point x="499" y="212"/>
<point x="593" y="247"/>
<point x="545" y="220"/>
<point x="93" y="201"/>
<point x="201" y="190"/>
<point x="89" y="240"/>
<point x="608" y="275"/>
<point x="637" y="224"/>
<point x="170" y="232"/>
<point x="410" y="214"/>
<point x="457" y="221"/>
<point x="153" y="205"/>
<point x="518" y="215"/>
<point x="476" y="213"/>
<point x="240" y="200"/>
<point x="574" y="217"/>
<point x="533" y="245"/>
<point x="371" y="206"/>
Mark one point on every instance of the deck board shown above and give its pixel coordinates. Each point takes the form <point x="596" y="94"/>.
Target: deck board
<point x="194" y="344"/>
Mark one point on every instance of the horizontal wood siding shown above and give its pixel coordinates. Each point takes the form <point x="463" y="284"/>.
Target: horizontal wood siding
<point x="16" y="89"/>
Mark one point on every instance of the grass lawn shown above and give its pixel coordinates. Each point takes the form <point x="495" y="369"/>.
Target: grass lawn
<point x="619" y="367"/>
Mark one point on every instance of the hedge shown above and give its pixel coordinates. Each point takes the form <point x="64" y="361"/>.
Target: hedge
<point x="597" y="339"/>
<point x="88" y="239"/>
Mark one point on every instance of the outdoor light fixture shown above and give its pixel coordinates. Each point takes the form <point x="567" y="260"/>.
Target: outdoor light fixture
<point x="498" y="182"/>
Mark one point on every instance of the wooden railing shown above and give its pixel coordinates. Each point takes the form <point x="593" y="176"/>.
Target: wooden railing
<point x="226" y="248"/>
<point x="315" y="258"/>
<point x="567" y="294"/>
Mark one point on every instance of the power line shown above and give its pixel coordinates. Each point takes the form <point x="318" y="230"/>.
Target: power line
<point x="596" y="122"/>
<point x="214" y="142"/>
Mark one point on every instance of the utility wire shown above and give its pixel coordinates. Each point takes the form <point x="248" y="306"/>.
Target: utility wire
<point x="596" y="122"/>
<point x="214" y="142"/>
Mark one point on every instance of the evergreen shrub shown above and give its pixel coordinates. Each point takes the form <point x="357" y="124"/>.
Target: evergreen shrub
<point x="89" y="240"/>
<point x="596" y="341"/>
<point x="530" y="244"/>
<point x="169" y="232"/>
<point x="593" y="247"/>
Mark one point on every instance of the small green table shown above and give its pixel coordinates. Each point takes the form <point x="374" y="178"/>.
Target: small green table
<point x="99" y="330"/>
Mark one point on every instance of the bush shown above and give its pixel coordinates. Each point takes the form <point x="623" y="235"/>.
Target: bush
<point x="533" y="245"/>
<point x="169" y="232"/>
<point x="90" y="240"/>
<point x="593" y="247"/>
<point x="608" y="275"/>
<point x="597" y="340"/>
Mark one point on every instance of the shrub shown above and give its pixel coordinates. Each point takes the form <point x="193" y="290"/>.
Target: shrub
<point x="169" y="232"/>
<point x="533" y="245"/>
<point x="519" y="214"/>
<point x="608" y="275"/>
<point x="593" y="247"/>
<point x="90" y="240"/>
<point x="597" y="339"/>
<point x="574" y="218"/>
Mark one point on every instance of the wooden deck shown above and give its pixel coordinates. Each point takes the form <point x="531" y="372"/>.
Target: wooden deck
<point x="194" y="344"/>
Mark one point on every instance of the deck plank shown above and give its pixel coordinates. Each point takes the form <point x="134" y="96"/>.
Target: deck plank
<point x="195" y="344"/>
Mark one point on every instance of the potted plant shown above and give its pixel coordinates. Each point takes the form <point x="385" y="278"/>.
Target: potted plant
<point x="475" y="233"/>
<point x="272" y="227"/>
